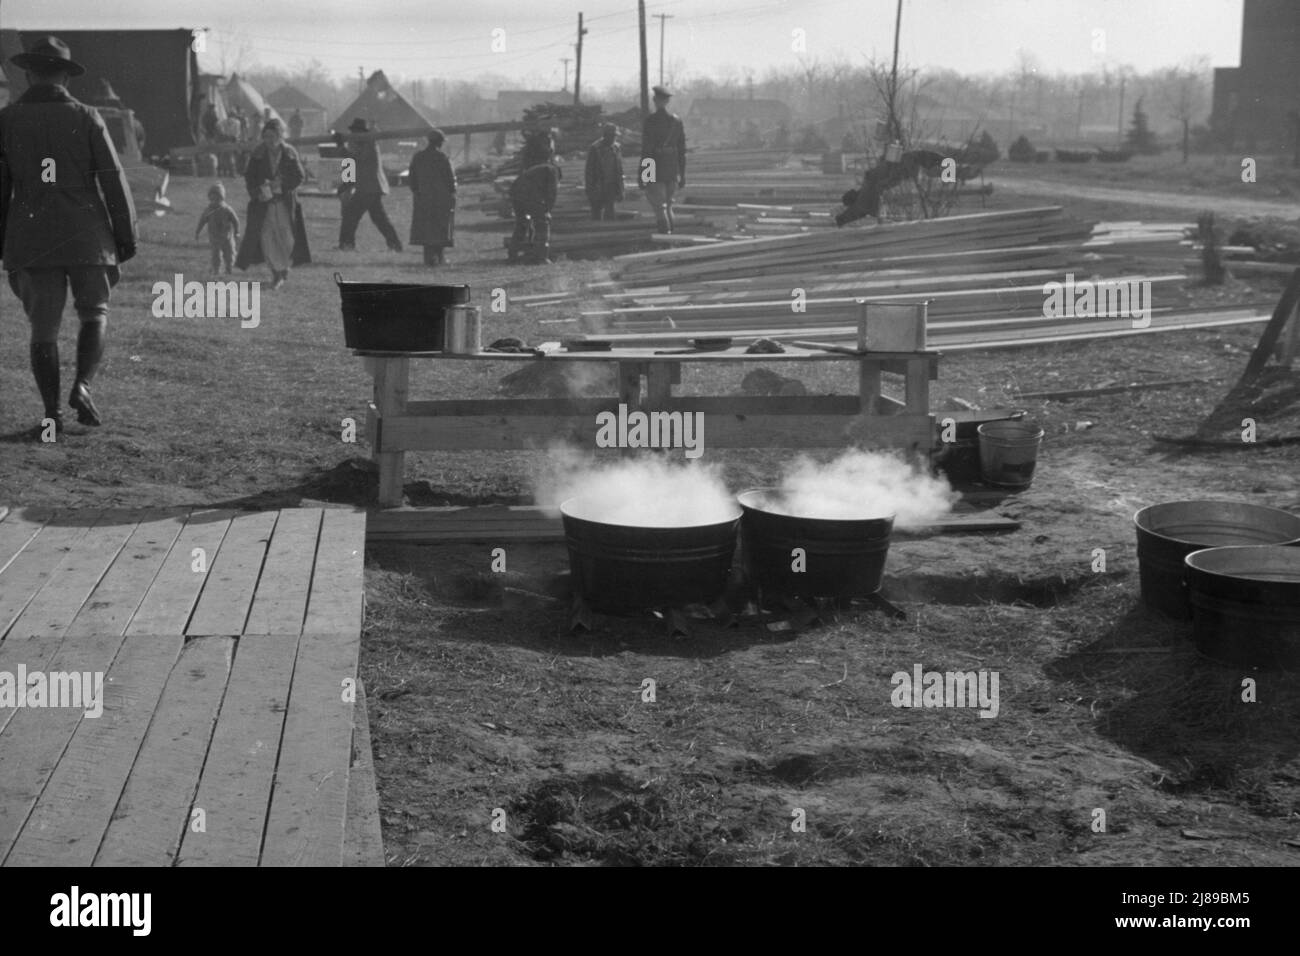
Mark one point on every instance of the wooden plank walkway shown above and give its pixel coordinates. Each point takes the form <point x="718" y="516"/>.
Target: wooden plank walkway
<point x="179" y="687"/>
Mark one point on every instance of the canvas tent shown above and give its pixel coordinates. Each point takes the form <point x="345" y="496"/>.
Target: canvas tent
<point x="383" y="107"/>
<point x="240" y="93"/>
<point x="154" y="72"/>
<point x="287" y="99"/>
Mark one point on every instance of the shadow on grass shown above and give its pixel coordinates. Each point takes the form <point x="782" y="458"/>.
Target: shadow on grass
<point x="1157" y="696"/>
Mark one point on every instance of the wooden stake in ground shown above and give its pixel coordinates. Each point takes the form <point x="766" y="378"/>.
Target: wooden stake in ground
<point x="1285" y="307"/>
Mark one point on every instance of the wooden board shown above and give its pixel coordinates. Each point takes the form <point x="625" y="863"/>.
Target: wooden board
<point x="73" y="812"/>
<point x="110" y="607"/>
<point x="32" y="651"/>
<point x="232" y="576"/>
<point x="363" y="838"/>
<point x="529" y="523"/>
<point x="15" y="532"/>
<point x="154" y="809"/>
<point x="281" y="600"/>
<point x="170" y="599"/>
<point x="235" y="787"/>
<point x="53" y="608"/>
<point x="28" y="571"/>
<point x="337" y="599"/>
<point x="306" y="822"/>
<point x="35" y="739"/>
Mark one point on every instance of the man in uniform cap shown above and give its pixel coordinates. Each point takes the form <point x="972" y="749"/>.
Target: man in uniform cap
<point x="66" y="219"/>
<point x="663" y="140"/>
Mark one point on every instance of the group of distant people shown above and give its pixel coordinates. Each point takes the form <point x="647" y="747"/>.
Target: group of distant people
<point x="534" y="191"/>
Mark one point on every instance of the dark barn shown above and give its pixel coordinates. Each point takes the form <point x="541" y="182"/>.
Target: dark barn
<point x="1255" y="103"/>
<point x="154" y="72"/>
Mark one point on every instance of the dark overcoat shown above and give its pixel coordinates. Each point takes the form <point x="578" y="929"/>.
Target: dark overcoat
<point x="291" y="177"/>
<point x="604" y="172"/>
<point x="74" y="211"/>
<point x="433" y="188"/>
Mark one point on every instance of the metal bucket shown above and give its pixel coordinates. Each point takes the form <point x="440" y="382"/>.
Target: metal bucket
<point x="1246" y="605"/>
<point x="396" y="316"/>
<point x="1168" y="533"/>
<point x="633" y="568"/>
<point x="841" y="558"/>
<point x="462" y="330"/>
<point x="1009" y="452"/>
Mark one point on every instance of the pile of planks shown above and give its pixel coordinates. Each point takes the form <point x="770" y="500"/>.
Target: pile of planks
<point x="983" y="276"/>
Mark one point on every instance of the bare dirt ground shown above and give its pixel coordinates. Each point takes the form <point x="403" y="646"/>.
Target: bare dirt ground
<point x="481" y="700"/>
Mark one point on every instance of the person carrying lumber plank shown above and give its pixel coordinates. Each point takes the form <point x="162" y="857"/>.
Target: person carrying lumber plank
<point x="532" y="197"/>
<point x="876" y="181"/>
<point x="663" y="141"/>
<point x="605" y="173"/>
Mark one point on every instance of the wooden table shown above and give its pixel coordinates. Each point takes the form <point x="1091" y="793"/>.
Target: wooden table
<point x="397" y="425"/>
<point x="225" y="641"/>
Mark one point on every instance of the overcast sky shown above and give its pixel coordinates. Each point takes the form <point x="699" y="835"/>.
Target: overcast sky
<point x="453" y="38"/>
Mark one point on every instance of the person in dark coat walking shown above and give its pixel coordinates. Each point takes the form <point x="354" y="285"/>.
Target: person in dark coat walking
<point x="605" y="173"/>
<point x="663" y="139"/>
<point x="276" y="230"/>
<point x="532" y="195"/>
<point x="66" y="220"/>
<point x="433" y="188"/>
<point x="367" y="193"/>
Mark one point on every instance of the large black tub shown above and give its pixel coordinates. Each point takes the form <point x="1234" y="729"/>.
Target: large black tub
<point x="841" y="558"/>
<point x="396" y="316"/>
<point x="1246" y="605"/>
<point x="620" y="568"/>
<point x="1168" y="533"/>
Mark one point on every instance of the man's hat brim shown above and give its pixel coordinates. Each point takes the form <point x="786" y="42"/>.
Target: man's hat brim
<point x="41" y="62"/>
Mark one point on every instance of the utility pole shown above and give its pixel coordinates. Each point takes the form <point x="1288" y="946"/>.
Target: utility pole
<point x="1078" y="126"/>
<point x="645" y="68"/>
<point x="662" y="17"/>
<point x="1121" y="112"/>
<point x="566" y="60"/>
<point x="577" y="76"/>
<point x="896" y="131"/>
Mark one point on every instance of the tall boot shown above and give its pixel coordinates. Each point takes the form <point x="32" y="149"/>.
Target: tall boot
<point x="90" y="350"/>
<point x="45" y="368"/>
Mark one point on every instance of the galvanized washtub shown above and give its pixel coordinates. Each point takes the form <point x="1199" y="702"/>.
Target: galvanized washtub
<point x="841" y="557"/>
<point x="1246" y="605"/>
<point x="622" y="567"/>
<point x="1168" y="533"/>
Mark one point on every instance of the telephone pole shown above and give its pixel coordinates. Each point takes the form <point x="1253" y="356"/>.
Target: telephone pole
<point x="662" y="17"/>
<point x="645" y="69"/>
<point x="896" y="132"/>
<point x="1120" y="142"/>
<point x="566" y="60"/>
<point x="577" y="75"/>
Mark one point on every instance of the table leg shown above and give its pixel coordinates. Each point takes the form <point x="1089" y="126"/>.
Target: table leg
<point x="869" y="386"/>
<point x="659" y="380"/>
<point x="392" y="377"/>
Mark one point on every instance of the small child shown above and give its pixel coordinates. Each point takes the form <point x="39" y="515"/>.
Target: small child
<point x="223" y="229"/>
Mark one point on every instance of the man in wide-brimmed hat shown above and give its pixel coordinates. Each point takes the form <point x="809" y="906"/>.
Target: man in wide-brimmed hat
<point x="367" y="193"/>
<point x="663" y="141"/>
<point x="66" y="219"/>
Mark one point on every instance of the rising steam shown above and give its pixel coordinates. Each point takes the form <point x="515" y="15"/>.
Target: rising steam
<point x="862" y="484"/>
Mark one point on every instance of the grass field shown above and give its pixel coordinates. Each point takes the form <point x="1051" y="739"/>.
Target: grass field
<point x="481" y="700"/>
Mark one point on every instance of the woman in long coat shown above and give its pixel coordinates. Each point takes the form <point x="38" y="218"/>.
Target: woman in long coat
<point x="433" y="186"/>
<point x="276" y="231"/>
